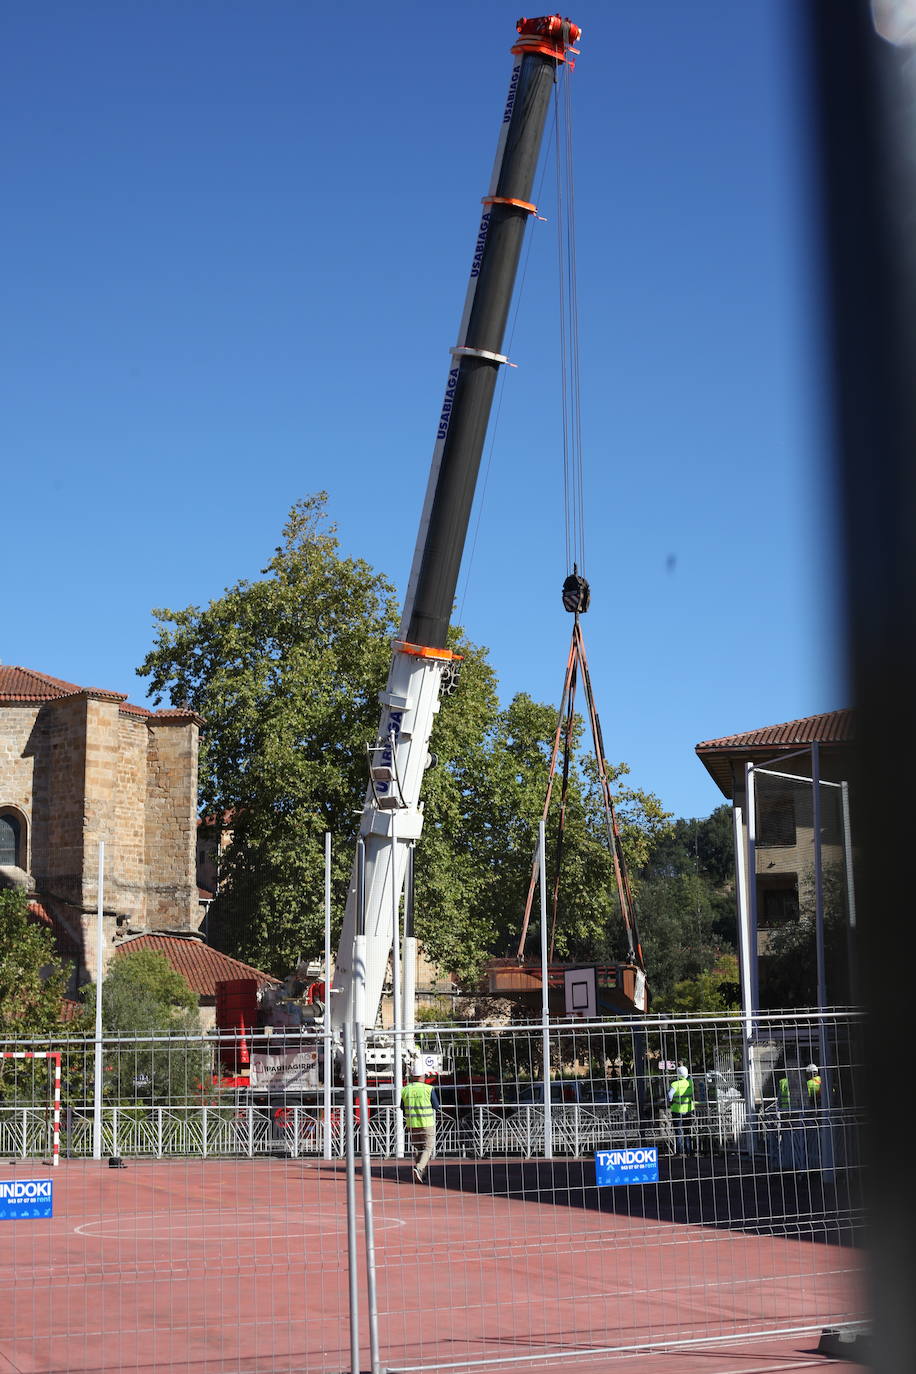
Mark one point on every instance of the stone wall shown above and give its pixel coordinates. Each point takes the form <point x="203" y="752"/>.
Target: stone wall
<point x="58" y="849"/>
<point x="85" y="768"/>
<point x="171" y="826"/>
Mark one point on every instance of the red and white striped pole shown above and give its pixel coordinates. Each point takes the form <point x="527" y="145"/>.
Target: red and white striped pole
<point x="55" y="1111"/>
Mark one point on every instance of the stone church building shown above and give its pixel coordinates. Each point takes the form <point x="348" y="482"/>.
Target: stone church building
<point x="80" y="765"/>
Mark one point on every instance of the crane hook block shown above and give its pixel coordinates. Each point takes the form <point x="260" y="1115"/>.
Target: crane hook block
<point x="577" y="594"/>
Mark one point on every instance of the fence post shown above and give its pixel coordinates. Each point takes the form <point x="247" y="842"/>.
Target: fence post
<point x="158" y="1132"/>
<point x="25" y="1132"/>
<point x="368" y="1225"/>
<point x="204" y="1131"/>
<point x="348" y="1133"/>
<point x="295" y="1150"/>
<point x="545" y="996"/>
<point x="250" y="1114"/>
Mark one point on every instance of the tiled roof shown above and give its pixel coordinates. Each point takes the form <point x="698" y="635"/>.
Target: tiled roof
<point x="25" y="684"/>
<point x="200" y="965"/>
<point x="833" y="727"/>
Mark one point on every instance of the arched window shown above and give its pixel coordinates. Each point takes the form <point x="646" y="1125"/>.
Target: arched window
<point x="9" y="841"/>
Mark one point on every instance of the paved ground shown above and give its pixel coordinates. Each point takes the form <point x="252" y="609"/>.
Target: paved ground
<point x="209" y="1267"/>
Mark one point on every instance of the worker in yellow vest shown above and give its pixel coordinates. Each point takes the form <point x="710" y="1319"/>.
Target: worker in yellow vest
<point x="681" y="1105"/>
<point x="814" y="1085"/>
<point x="419" y="1103"/>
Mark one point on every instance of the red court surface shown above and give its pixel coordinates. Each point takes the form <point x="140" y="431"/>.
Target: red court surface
<point x="207" y="1267"/>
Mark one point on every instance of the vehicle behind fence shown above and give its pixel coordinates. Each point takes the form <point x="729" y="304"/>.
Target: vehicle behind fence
<point x="609" y="1085"/>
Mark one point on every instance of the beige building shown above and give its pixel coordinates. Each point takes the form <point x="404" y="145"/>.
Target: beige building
<point x="791" y="838"/>
<point x="80" y="766"/>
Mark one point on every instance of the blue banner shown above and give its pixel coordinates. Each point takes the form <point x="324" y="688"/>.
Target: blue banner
<point x="635" y="1164"/>
<point x="25" y="1197"/>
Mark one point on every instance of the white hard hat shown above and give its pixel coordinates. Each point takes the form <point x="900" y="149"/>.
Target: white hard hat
<point x="681" y="1071"/>
<point x="810" y="1068"/>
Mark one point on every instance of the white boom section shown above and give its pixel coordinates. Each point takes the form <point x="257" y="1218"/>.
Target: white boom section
<point x="410" y="703"/>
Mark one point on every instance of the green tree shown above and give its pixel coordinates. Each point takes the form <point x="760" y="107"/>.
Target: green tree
<point x="153" y="1047"/>
<point x="286" y="671"/>
<point x="482" y="810"/>
<point x="716" y="989"/>
<point x="143" y="994"/>
<point x="788" y="968"/>
<point x="678" y="935"/>
<point x="32" y="982"/>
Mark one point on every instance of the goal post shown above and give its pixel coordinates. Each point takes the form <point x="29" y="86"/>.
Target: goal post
<point x="54" y="1056"/>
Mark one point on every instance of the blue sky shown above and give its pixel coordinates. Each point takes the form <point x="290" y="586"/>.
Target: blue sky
<point x="236" y="244"/>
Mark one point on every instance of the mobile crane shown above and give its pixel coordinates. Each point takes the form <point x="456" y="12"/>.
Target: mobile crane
<point x="422" y="667"/>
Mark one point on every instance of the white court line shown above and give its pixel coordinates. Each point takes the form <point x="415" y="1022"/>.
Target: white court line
<point x="271" y="1223"/>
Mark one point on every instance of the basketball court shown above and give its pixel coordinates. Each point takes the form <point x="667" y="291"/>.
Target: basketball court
<point x="207" y="1266"/>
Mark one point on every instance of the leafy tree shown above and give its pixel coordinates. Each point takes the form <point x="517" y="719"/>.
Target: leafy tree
<point x="716" y="989"/>
<point x="286" y="671"/>
<point x="32" y="983"/>
<point x="482" y="810"/>
<point x="143" y="999"/>
<point x="677" y="932"/>
<point x="788" y="968"/>
<point x="143" y="994"/>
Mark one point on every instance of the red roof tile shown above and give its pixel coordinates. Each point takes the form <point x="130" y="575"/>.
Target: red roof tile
<point x="833" y="727"/>
<point x="720" y="756"/>
<point x="200" y="965"/>
<point x="25" y="684"/>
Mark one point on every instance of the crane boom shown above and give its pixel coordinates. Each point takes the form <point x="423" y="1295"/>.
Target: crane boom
<point x="422" y="666"/>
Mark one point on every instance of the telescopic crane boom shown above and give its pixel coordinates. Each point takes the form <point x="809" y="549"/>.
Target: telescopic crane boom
<point x="421" y="666"/>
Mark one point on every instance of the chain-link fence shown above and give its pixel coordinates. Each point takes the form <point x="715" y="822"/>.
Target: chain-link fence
<point x="593" y="1216"/>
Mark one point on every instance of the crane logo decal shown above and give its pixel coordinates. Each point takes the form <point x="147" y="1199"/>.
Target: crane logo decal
<point x="513" y="87"/>
<point x="481" y="244"/>
<point x="443" y="430"/>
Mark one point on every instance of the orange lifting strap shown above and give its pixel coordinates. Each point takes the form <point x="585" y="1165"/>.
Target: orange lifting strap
<point x="576" y="662"/>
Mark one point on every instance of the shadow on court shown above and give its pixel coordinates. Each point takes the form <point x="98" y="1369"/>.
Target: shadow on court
<point x="723" y="1191"/>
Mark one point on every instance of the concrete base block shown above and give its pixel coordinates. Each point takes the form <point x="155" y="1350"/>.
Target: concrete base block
<point x="846" y="1343"/>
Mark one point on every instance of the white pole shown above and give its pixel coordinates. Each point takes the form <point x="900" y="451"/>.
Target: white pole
<point x="326" y="1151"/>
<point x="410" y="954"/>
<point x="545" y="994"/>
<point x="350" y="1153"/>
<point x="745" y="966"/>
<point x="396" y="991"/>
<point x="100" y="941"/>
<point x="850" y="898"/>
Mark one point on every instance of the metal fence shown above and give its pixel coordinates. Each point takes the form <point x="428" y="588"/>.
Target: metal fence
<point x="258" y="1222"/>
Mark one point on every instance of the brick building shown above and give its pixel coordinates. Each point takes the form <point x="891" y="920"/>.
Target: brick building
<point x="80" y="766"/>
